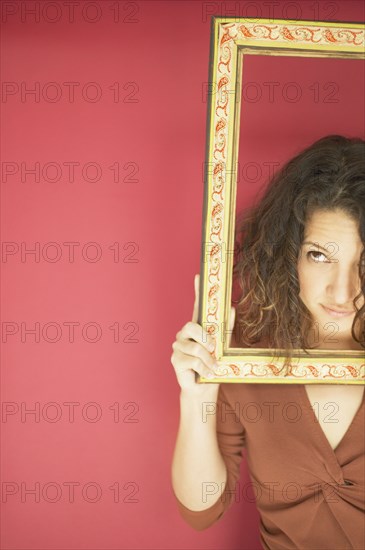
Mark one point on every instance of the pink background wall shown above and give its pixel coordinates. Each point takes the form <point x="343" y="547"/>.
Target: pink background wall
<point x="133" y="210"/>
<point x="289" y="102"/>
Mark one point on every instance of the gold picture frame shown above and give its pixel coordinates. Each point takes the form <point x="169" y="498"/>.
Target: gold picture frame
<point x="231" y="38"/>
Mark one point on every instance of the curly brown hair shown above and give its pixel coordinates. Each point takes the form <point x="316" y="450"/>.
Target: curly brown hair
<point x="327" y="175"/>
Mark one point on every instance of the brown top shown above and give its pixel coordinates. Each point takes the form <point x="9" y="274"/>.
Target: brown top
<point x="308" y="495"/>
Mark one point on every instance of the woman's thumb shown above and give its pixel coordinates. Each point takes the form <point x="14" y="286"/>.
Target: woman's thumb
<point x="196" y="283"/>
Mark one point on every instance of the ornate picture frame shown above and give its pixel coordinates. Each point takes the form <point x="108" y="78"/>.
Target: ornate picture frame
<point x="231" y="38"/>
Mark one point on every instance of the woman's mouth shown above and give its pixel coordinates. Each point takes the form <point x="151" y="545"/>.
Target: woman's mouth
<point x="337" y="313"/>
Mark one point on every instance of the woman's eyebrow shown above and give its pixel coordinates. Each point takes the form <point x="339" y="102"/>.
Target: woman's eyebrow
<point x="316" y="245"/>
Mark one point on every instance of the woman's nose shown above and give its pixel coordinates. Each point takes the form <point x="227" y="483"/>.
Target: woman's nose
<point x="344" y="286"/>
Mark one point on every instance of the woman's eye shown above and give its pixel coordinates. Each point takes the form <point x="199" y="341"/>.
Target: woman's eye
<point x="317" y="256"/>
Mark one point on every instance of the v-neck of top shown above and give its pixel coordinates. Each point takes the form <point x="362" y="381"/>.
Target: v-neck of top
<point x="318" y="429"/>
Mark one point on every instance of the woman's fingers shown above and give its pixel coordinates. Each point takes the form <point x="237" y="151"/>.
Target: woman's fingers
<point x="194" y="331"/>
<point x="193" y="349"/>
<point x="194" y="356"/>
<point x="184" y="364"/>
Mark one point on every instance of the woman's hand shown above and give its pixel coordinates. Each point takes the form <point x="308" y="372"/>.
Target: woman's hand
<point x="191" y="351"/>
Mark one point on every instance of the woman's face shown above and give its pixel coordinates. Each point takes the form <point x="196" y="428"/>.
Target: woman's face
<point x="328" y="272"/>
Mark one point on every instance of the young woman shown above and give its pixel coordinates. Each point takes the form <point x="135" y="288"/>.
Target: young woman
<point x="302" y="274"/>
